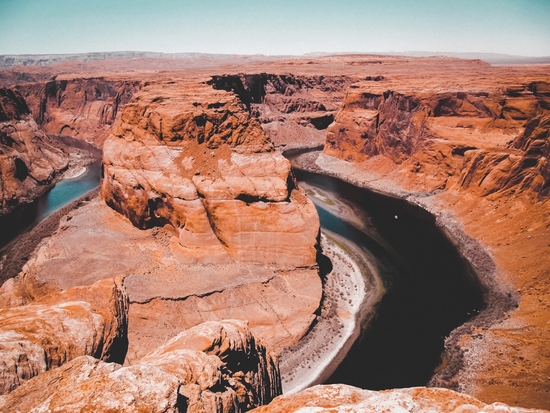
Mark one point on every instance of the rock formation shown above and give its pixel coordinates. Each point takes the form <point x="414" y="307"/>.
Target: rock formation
<point x="60" y="327"/>
<point x="472" y="148"/>
<point x="467" y="141"/>
<point x="446" y="138"/>
<point x="192" y="157"/>
<point x="214" y="367"/>
<point x="294" y="111"/>
<point x="342" y="398"/>
<point x="29" y="160"/>
<point x="83" y="108"/>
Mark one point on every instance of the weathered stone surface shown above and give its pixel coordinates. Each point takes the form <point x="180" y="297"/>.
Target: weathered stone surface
<point x="294" y="110"/>
<point x="192" y="157"/>
<point x="56" y="329"/>
<point x="83" y="108"/>
<point x="342" y="398"/>
<point x="166" y="294"/>
<point x="29" y="161"/>
<point x="446" y="138"/>
<point x="214" y="367"/>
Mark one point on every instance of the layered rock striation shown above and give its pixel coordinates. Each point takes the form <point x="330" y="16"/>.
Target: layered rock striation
<point x="483" y="142"/>
<point x="29" y="159"/>
<point x="293" y="110"/>
<point x="57" y="328"/>
<point x="214" y="367"/>
<point x="83" y="108"/>
<point x="342" y="398"/>
<point x="192" y="157"/>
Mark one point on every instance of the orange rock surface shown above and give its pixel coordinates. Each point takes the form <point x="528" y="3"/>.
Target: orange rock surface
<point x="342" y="398"/>
<point x="83" y="108"/>
<point x="60" y="327"/>
<point x="214" y="367"/>
<point x="29" y="160"/>
<point x="192" y="157"/>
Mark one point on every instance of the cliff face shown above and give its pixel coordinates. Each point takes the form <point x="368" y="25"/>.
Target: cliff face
<point x="192" y="157"/>
<point x="29" y="160"/>
<point x="83" y="108"/>
<point x="214" y="367"/>
<point x="472" y="148"/>
<point x="50" y="332"/>
<point x="469" y="139"/>
<point x="293" y="110"/>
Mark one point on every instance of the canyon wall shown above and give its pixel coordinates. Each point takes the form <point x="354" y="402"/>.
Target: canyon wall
<point x="29" y="159"/>
<point x="83" y="108"/>
<point x="470" y="139"/>
<point x="471" y="146"/>
<point x="294" y="110"/>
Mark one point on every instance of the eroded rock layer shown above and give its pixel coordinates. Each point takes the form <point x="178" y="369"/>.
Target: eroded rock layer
<point x="29" y="160"/>
<point x="83" y="108"/>
<point x="214" y="367"/>
<point x="294" y="111"/>
<point x="482" y="141"/>
<point x="49" y="332"/>
<point x="191" y="157"/>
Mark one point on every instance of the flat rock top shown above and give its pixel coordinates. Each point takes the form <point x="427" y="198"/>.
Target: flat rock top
<point x="108" y="245"/>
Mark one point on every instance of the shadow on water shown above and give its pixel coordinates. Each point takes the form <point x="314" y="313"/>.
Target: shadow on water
<point x="431" y="291"/>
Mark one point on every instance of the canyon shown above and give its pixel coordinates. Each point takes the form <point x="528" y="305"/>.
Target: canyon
<point x="200" y="219"/>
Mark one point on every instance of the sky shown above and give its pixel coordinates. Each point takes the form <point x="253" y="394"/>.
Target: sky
<point x="517" y="27"/>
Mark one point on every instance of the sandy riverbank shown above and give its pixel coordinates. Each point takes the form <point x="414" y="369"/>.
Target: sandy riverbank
<point x="351" y="292"/>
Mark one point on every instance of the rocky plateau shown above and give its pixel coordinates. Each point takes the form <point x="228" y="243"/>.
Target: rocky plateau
<point x="200" y="220"/>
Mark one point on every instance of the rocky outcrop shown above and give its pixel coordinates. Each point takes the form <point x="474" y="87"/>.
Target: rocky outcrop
<point x="29" y="160"/>
<point x="342" y="398"/>
<point x="449" y="138"/>
<point x="191" y="157"/>
<point x="214" y="367"/>
<point x="294" y="111"/>
<point x="83" y="108"/>
<point x="60" y="327"/>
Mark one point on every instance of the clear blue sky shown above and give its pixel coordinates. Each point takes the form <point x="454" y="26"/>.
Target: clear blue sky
<point x="520" y="27"/>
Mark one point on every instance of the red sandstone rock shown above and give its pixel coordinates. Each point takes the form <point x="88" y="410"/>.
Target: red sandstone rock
<point x="192" y="157"/>
<point x="50" y="332"/>
<point x="29" y="161"/>
<point x="447" y="138"/>
<point x="214" y="367"/>
<point x="342" y="398"/>
<point x="81" y="108"/>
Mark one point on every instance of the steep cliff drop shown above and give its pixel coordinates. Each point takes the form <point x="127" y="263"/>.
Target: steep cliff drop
<point x="83" y="108"/>
<point x="193" y="158"/>
<point x="476" y="156"/>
